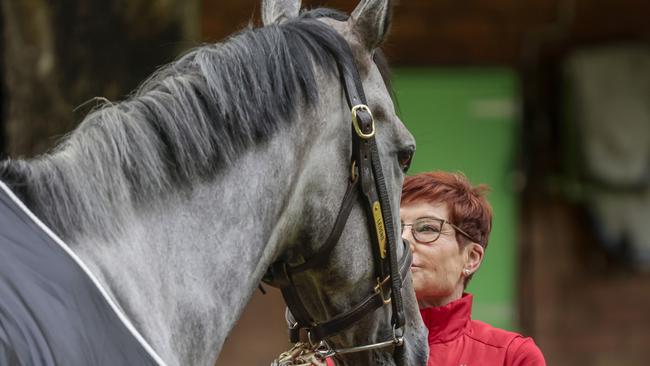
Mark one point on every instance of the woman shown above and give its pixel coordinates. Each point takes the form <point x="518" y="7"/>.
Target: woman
<point x="447" y="222"/>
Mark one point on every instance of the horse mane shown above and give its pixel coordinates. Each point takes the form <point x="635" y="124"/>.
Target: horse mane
<point x="186" y="122"/>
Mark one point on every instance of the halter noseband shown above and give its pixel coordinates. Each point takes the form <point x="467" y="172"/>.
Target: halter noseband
<point x="366" y="176"/>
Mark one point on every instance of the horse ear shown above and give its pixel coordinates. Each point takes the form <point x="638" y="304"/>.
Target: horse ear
<point x="278" y="11"/>
<point x="371" y="19"/>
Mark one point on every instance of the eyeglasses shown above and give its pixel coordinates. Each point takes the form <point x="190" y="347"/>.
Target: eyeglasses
<point x="427" y="230"/>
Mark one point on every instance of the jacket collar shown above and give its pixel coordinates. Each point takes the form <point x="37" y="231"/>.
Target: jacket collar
<point x="447" y="322"/>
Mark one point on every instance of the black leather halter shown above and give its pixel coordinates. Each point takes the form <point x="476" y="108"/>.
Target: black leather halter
<point x="366" y="176"/>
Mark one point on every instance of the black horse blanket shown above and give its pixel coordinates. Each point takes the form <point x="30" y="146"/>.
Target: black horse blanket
<point x="52" y="310"/>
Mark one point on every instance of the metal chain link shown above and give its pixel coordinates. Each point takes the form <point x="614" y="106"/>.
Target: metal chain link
<point x="301" y="354"/>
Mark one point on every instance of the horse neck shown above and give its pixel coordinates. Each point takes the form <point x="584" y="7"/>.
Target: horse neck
<point x="183" y="268"/>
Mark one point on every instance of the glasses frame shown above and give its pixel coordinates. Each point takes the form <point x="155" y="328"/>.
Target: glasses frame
<point x="442" y="225"/>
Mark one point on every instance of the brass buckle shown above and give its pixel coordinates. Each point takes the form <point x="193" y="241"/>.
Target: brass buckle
<point x="355" y="121"/>
<point x="379" y="289"/>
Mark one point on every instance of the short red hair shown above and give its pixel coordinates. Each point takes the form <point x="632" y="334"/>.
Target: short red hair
<point x="467" y="205"/>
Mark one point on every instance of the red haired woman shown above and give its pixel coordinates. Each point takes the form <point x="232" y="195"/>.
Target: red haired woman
<point x="447" y="222"/>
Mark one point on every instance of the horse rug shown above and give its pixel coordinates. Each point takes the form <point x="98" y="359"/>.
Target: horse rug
<point x="52" y="309"/>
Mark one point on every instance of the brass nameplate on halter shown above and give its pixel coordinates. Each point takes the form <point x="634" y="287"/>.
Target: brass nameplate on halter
<point x="379" y="226"/>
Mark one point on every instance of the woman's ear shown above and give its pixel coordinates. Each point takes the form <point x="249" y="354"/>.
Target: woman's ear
<point x="473" y="258"/>
<point x="371" y="21"/>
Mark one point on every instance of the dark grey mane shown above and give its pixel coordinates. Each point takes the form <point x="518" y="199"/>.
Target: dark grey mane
<point x="187" y="122"/>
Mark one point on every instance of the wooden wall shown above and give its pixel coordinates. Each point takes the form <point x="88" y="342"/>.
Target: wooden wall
<point x="583" y="306"/>
<point x="452" y="32"/>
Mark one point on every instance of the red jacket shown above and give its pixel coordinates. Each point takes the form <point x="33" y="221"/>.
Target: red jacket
<point x="457" y="340"/>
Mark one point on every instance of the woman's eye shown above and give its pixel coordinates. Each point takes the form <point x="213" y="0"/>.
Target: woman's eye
<point x="428" y="228"/>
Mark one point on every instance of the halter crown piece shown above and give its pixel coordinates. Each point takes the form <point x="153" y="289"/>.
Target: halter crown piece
<point x="366" y="176"/>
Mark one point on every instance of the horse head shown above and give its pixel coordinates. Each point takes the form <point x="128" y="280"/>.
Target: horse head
<point x="330" y="268"/>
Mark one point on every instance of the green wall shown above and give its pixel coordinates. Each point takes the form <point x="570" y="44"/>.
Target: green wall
<point x="466" y="120"/>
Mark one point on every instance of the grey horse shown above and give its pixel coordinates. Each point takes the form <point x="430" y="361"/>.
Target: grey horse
<point x="236" y="155"/>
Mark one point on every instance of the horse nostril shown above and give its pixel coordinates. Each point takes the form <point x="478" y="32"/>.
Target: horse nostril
<point x="405" y="157"/>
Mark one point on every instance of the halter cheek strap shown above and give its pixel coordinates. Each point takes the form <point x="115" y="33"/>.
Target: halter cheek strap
<point x="373" y="185"/>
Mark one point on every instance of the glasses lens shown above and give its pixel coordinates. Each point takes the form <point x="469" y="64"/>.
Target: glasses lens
<point x="427" y="231"/>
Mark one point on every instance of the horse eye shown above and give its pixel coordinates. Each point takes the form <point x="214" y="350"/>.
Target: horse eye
<point x="404" y="158"/>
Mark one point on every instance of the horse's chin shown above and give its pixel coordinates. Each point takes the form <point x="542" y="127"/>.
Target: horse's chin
<point x="411" y="356"/>
<point x="415" y="351"/>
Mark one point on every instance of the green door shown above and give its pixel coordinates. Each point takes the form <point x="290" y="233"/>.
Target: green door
<point x="466" y="120"/>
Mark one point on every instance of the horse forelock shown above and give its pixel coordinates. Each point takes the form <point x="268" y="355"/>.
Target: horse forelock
<point x="183" y="125"/>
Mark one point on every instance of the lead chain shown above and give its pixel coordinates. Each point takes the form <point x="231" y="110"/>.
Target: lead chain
<point x="301" y="354"/>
